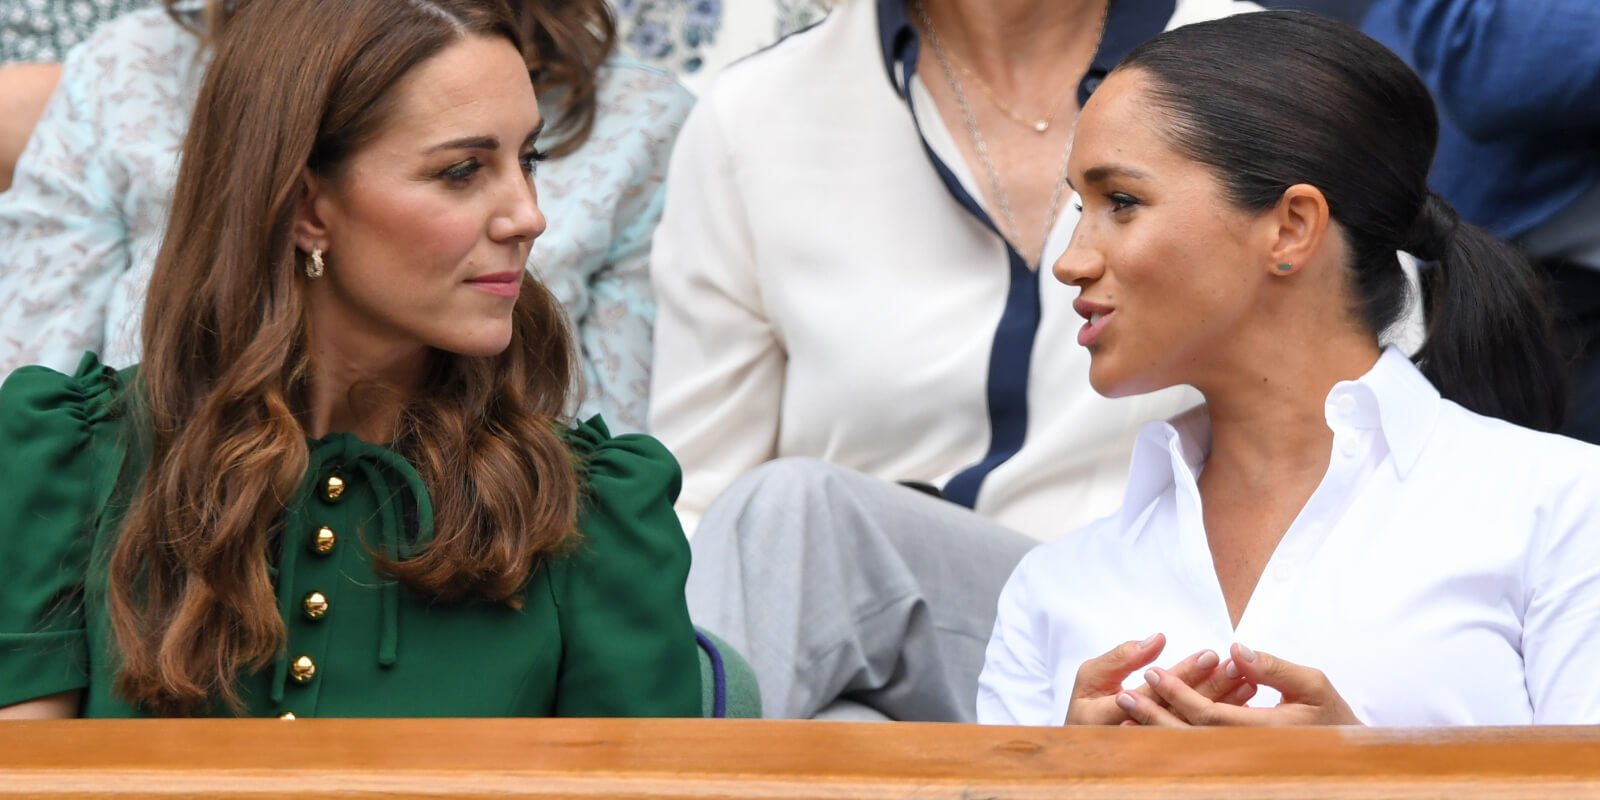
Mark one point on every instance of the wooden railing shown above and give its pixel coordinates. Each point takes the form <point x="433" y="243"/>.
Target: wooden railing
<point x="307" y="759"/>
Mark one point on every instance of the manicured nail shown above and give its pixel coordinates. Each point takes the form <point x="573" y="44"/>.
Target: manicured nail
<point x="1232" y="669"/>
<point x="1149" y="641"/>
<point x="1247" y="654"/>
<point x="1126" y="702"/>
<point x="1207" y="660"/>
<point x="1152" y="677"/>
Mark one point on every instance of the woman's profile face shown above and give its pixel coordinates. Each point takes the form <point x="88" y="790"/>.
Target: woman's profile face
<point x="1165" y="263"/>
<point x="428" y="225"/>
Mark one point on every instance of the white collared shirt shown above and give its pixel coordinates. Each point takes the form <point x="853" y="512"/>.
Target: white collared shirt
<point x="1445" y="572"/>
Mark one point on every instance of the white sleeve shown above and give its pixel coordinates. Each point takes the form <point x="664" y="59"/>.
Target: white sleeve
<point x="719" y="368"/>
<point x="1015" y="687"/>
<point x="1561" y="624"/>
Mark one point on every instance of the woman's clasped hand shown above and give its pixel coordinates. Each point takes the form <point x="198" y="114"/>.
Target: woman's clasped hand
<point x="1201" y="690"/>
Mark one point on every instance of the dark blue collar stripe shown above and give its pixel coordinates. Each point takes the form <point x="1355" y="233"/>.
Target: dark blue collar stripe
<point x="1128" y="23"/>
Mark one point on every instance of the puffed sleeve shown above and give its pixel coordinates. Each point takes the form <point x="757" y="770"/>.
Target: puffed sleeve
<point x="54" y="456"/>
<point x="628" y="648"/>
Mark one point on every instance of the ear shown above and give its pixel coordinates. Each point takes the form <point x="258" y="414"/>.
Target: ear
<point x="310" y="214"/>
<point x="1298" y="224"/>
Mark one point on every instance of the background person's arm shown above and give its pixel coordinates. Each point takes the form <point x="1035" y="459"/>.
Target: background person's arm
<point x="717" y="388"/>
<point x="24" y="90"/>
<point x="1498" y="67"/>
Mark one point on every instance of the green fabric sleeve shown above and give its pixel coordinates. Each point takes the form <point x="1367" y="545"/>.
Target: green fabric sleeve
<point x="628" y="649"/>
<point x="49" y="459"/>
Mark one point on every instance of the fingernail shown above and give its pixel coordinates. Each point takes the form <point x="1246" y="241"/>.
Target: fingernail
<point x="1247" y="654"/>
<point x="1149" y="641"/>
<point x="1152" y="677"/>
<point x="1125" y="701"/>
<point x="1207" y="660"/>
<point x="1232" y="669"/>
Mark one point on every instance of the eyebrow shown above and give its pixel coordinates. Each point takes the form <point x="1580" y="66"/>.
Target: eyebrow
<point x="483" y="142"/>
<point x="1105" y="172"/>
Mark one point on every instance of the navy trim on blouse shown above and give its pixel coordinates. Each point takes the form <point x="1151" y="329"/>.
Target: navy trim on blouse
<point x="1128" y="23"/>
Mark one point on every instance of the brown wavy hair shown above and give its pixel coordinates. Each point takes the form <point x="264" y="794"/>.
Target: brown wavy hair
<point x="302" y="84"/>
<point x="566" y="42"/>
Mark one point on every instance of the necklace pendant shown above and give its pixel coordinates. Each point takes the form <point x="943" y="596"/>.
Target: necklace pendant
<point x="1041" y="126"/>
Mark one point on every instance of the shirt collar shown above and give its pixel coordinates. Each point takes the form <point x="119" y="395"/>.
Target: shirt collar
<point x="1129" y="23"/>
<point x="1393" y="397"/>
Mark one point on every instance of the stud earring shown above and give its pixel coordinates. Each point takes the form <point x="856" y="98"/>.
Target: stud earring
<point x="314" y="266"/>
<point x="1285" y="267"/>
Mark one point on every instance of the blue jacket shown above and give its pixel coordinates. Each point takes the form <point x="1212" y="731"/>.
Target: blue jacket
<point x="1518" y="88"/>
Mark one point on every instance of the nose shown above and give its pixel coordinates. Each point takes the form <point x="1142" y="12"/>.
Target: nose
<point x="518" y="219"/>
<point x="1081" y="263"/>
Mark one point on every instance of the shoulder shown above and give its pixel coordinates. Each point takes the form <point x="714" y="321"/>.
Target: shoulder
<point x="41" y="403"/>
<point x="817" y="71"/>
<point x="63" y="440"/>
<point x="147" y="42"/>
<point x="626" y="523"/>
<point x="136" y="72"/>
<point x="626" y="478"/>
<point x="1526" y="462"/>
<point x="639" y="92"/>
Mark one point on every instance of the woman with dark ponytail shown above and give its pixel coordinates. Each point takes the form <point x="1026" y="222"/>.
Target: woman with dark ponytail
<point x="1398" y="534"/>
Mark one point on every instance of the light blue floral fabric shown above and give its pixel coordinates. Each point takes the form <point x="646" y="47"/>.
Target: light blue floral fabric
<point x="676" y="34"/>
<point x="80" y="227"/>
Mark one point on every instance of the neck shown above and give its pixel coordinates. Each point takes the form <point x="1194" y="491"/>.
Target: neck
<point x="358" y="386"/>
<point x="1268" y="418"/>
<point x="1012" y="43"/>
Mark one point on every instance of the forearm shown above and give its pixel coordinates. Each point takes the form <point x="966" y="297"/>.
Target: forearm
<point x="24" y="90"/>
<point x="66" y="705"/>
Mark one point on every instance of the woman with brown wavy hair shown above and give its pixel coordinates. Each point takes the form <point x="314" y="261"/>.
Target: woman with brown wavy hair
<point x="342" y="482"/>
<point x="84" y="221"/>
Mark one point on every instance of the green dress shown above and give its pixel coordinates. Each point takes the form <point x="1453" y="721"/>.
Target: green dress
<point x="603" y="631"/>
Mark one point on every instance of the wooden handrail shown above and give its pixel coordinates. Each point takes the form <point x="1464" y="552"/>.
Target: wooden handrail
<point x="652" y="759"/>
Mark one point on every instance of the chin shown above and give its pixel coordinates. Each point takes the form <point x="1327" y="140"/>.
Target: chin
<point x="483" y="344"/>
<point x="1114" y="380"/>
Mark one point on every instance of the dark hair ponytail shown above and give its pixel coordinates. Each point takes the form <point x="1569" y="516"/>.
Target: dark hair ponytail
<point x="1490" y="345"/>
<point x="1277" y="98"/>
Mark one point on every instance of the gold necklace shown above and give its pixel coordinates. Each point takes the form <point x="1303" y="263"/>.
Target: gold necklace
<point x="1041" y="125"/>
<point x="981" y="145"/>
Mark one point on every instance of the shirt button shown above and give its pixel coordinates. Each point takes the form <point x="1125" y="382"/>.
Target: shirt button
<point x="315" y="605"/>
<point x="303" y="670"/>
<point x="333" y="488"/>
<point x="1351" y="448"/>
<point x="1346" y="405"/>
<point x="322" y="540"/>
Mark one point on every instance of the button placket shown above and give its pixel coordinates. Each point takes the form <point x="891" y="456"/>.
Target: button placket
<point x="310" y="598"/>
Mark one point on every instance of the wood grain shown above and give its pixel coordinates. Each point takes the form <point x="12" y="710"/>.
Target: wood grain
<point x="653" y="759"/>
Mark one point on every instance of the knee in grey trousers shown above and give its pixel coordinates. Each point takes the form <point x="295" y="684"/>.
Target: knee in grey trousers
<point x="849" y="592"/>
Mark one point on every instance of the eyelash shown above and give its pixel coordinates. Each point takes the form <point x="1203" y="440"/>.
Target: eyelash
<point x="463" y="172"/>
<point x="1119" y="202"/>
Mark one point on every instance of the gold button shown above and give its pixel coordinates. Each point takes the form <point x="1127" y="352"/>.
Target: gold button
<point x="315" y="605"/>
<point x="303" y="669"/>
<point x="333" y="488"/>
<point x="323" y="540"/>
<point x="286" y="715"/>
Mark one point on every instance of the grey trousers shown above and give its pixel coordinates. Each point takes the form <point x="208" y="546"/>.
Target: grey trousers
<point x="851" y="597"/>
